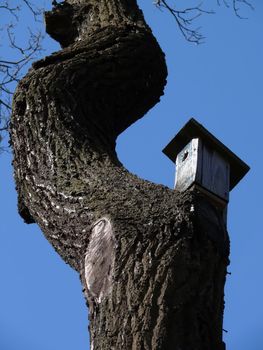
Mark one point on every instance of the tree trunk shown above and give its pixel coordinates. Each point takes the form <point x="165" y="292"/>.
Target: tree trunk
<point x="152" y="261"/>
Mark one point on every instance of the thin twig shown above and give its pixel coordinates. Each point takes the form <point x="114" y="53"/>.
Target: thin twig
<point x="12" y="69"/>
<point x="5" y="104"/>
<point x="185" y="18"/>
<point x="236" y="6"/>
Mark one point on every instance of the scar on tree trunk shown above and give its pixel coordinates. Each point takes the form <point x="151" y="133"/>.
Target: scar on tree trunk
<point x="152" y="261"/>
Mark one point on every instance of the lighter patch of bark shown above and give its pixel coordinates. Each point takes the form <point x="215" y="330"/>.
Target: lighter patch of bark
<point x="99" y="260"/>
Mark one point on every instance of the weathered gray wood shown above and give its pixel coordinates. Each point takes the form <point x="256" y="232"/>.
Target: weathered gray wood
<point x="199" y="164"/>
<point x="215" y="172"/>
<point x="187" y="165"/>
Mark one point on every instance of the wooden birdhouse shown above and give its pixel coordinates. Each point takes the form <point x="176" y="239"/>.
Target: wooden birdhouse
<point x="203" y="161"/>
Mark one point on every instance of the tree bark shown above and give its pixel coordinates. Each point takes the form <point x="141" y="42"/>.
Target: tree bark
<point x="152" y="261"/>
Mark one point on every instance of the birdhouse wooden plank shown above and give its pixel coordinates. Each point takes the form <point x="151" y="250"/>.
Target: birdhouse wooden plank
<point x="186" y="165"/>
<point x="202" y="160"/>
<point x="215" y="172"/>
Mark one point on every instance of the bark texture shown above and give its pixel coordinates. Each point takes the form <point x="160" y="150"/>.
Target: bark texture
<point x="152" y="261"/>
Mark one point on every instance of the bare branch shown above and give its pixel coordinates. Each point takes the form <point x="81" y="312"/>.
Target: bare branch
<point x="185" y="17"/>
<point x="35" y="11"/>
<point x="12" y="10"/>
<point x="236" y="6"/>
<point x="4" y="104"/>
<point x="22" y="53"/>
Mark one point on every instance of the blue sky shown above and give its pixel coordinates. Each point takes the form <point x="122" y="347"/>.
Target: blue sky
<point x="220" y="83"/>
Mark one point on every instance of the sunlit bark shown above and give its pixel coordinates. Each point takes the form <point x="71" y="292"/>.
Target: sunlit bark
<point x="152" y="261"/>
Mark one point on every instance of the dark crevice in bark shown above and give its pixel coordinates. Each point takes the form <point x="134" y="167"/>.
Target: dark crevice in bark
<point x="158" y="282"/>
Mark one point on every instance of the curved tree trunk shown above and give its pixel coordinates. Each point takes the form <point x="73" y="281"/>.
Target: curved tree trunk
<point x="152" y="261"/>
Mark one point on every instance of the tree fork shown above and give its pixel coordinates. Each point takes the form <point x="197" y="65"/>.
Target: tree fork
<point x="152" y="261"/>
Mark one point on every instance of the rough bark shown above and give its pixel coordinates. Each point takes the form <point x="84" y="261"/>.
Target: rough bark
<point x="152" y="261"/>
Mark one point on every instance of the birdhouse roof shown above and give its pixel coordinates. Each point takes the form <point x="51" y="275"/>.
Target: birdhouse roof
<point x="193" y="129"/>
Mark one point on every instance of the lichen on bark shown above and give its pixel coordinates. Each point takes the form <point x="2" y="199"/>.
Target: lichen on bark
<point x="167" y="265"/>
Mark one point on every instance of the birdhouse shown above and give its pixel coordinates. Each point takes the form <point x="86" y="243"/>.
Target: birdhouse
<point x="203" y="161"/>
